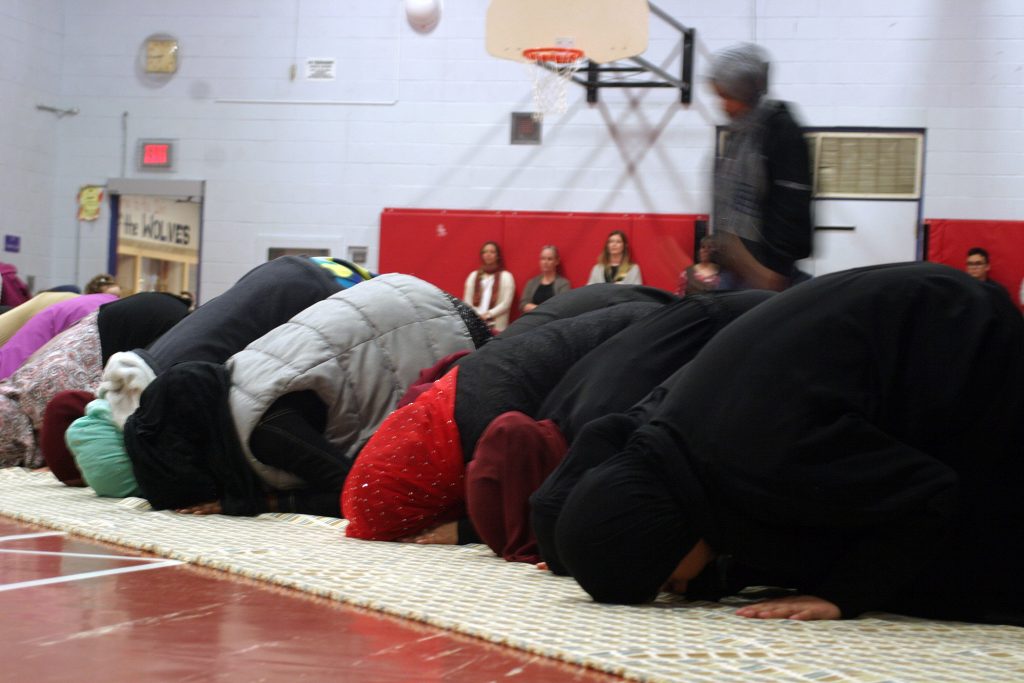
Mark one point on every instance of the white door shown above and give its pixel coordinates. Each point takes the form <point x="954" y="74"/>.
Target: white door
<point x="853" y="233"/>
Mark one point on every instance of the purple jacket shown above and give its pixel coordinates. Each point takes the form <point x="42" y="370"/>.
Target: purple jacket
<point x="44" y="326"/>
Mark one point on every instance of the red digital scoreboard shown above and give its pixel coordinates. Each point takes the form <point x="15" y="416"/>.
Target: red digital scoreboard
<point x="156" y="155"/>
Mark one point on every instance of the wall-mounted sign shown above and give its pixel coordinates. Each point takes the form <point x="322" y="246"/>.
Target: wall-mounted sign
<point x="156" y="155"/>
<point x="158" y="222"/>
<point x="320" y="68"/>
<point x="12" y="243"/>
<point x="89" y="198"/>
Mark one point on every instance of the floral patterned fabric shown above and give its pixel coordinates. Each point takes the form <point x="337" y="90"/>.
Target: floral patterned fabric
<point x="68" y="362"/>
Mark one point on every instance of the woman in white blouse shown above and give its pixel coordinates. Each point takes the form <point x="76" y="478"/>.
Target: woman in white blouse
<point x="490" y="288"/>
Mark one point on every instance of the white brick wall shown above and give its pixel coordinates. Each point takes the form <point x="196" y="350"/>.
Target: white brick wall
<point x="439" y="138"/>
<point x="30" y="74"/>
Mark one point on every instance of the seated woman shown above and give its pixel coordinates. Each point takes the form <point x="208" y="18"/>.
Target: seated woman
<point x="863" y="453"/>
<point x="408" y="479"/>
<point x="44" y="326"/>
<point x="614" y="264"/>
<point x="73" y="360"/>
<point x="706" y="274"/>
<point x="277" y="426"/>
<point x="542" y="287"/>
<point x="515" y="454"/>
<point x="490" y="288"/>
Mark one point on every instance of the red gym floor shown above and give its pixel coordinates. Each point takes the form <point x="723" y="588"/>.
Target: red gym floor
<point x="76" y="610"/>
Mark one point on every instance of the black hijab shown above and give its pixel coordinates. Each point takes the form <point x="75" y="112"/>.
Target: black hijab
<point x="137" y="321"/>
<point x="622" y="531"/>
<point x="184" y="446"/>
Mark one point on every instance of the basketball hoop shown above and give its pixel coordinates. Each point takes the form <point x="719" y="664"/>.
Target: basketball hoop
<point x="551" y="70"/>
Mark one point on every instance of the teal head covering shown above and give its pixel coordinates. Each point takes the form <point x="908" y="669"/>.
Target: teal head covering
<point x="98" y="447"/>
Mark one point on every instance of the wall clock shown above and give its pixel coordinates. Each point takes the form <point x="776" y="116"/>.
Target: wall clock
<point x="161" y="55"/>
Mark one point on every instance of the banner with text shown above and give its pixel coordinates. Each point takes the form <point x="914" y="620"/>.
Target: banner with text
<point x="159" y="223"/>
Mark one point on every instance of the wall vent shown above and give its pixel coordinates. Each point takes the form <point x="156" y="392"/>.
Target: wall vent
<point x="866" y="165"/>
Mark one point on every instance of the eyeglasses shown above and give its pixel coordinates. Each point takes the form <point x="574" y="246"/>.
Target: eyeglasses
<point x="971" y="264"/>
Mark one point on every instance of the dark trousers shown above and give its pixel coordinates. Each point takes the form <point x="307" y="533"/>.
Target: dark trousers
<point x="290" y="437"/>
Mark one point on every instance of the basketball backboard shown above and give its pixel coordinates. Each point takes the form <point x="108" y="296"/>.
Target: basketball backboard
<point x="606" y="30"/>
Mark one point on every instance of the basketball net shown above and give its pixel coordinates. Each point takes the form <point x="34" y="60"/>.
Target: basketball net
<point x="551" y="71"/>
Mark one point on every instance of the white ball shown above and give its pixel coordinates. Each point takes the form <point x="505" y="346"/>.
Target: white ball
<point x="423" y="15"/>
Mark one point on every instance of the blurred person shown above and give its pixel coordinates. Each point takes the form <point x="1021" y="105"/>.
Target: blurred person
<point x="762" y="180"/>
<point x="978" y="267"/>
<point x="490" y="288"/>
<point x="549" y="283"/>
<point x="614" y="264"/>
<point x="704" y="275"/>
<point x="104" y="283"/>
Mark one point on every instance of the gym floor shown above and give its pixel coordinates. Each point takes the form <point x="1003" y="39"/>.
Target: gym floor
<point x="77" y="610"/>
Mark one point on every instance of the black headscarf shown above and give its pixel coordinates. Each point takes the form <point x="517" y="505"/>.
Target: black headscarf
<point x="601" y="400"/>
<point x="137" y="321"/>
<point x="184" y="445"/>
<point x="622" y="531"/>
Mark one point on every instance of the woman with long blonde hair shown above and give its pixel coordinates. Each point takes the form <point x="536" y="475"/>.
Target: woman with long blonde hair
<point x="614" y="264"/>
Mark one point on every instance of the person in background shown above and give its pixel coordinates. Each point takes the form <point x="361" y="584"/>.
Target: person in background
<point x="706" y="274"/>
<point x="978" y="265"/>
<point x="542" y="287"/>
<point x="490" y="288"/>
<point x="103" y="283"/>
<point x="762" y="180"/>
<point x="614" y="264"/>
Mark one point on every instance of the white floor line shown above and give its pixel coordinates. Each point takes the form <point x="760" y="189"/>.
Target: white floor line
<point x="88" y="575"/>
<point x="41" y="534"/>
<point x="127" y="558"/>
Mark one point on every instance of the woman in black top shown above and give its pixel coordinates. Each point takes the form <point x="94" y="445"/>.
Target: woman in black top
<point x="542" y="287"/>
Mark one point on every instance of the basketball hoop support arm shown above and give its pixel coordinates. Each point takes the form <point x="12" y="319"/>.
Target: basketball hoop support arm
<point x="593" y="83"/>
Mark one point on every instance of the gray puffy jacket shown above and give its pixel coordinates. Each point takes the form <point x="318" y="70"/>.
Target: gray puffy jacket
<point x="359" y="350"/>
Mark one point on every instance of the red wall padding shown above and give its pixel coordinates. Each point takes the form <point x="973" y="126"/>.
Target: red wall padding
<point x="949" y="240"/>
<point x="443" y="246"/>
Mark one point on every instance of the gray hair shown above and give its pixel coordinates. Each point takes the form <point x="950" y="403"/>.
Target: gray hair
<point x="741" y="72"/>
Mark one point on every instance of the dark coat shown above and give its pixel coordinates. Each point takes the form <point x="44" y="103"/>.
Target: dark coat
<point x="863" y="444"/>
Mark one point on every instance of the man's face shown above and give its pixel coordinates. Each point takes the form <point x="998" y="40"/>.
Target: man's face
<point x="977" y="266"/>
<point x="732" y="107"/>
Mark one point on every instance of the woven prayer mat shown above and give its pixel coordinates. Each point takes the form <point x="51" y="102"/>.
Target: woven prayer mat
<point x="469" y="590"/>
